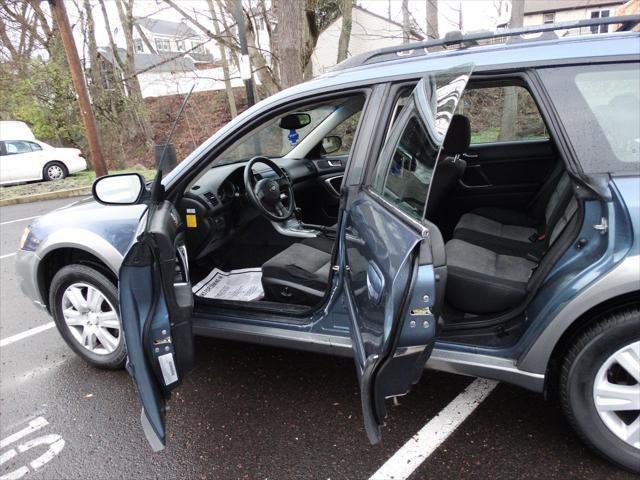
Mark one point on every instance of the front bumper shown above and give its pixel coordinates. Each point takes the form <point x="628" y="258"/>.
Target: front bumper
<point x="27" y="274"/>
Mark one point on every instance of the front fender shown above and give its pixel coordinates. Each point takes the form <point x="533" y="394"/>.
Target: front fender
<point x="84" y="240"/>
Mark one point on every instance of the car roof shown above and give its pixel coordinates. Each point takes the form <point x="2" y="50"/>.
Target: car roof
<point x="545" y="51"/>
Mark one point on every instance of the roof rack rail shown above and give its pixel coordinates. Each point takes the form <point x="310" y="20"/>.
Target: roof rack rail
<point x="471" y="39"/>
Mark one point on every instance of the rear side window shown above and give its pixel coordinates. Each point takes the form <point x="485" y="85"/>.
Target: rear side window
<point x="17" y="146"/>
<point x="599" y="106"/>
<point x="502" y="114"/>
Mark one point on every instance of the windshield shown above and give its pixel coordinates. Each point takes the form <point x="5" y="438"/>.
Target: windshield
<point x="270" y="139"/>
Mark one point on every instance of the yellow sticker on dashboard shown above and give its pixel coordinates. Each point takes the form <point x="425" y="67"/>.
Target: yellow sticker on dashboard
<point x="192" y="220"/>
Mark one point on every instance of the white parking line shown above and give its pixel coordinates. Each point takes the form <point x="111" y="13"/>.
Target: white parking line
<point x="411" y="455"/>
<point x="7" y="255"/>
<point x="26" y="334"/>
<point x="18" y="220"/>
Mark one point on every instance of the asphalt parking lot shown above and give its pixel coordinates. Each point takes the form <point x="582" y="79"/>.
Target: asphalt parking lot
<point x="249" y="412"/>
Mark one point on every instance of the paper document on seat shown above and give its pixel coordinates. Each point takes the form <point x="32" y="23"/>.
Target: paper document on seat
<point x="244" y="285"/>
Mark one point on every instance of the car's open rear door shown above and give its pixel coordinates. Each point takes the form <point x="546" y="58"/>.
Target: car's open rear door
<point x="394" y="260"/>
<point x="155" y="307"/>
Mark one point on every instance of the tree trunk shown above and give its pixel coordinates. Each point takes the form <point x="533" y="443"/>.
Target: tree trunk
<point x="225" y="64"/>
<point x="125" y="12"/>
<point x="290" y="17"/>
<point x="508" y="127"/>
<point x="345" y="31"/>
<point x="432" y="19"/>
<point x="406" y="26"/>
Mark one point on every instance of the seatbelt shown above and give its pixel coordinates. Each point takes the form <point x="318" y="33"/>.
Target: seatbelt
<point x="546" y="189"/>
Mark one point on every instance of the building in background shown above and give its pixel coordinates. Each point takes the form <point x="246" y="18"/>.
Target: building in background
<point x="538" y="12"/>
<point x="170" y="57"/>
<point x="369" y="31"/>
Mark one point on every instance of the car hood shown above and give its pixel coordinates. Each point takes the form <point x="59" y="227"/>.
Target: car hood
<point x="115" y="223"/>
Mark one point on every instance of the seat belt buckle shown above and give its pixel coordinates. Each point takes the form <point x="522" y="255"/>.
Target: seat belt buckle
<point x="537" y="237"/>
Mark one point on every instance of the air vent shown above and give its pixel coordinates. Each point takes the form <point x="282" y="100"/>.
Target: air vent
<point x="310" y="167"/>
<point x="213" y="200"/>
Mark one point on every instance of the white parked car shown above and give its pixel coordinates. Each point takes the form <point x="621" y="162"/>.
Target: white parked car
<point x="27" y="160"/>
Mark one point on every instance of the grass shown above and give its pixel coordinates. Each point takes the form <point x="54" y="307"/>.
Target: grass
<point x="77" y="180"/>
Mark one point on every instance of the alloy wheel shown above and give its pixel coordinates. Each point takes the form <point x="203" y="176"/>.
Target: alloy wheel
<point x="616" y="393"/>
<point x="91" y="318"/>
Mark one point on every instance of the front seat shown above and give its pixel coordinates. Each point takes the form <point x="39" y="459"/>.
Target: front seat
<point x="450" y="166"/>
<point x="299" y="274"/>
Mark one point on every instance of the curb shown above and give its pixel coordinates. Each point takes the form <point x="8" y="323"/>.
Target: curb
<point x="38" y="197"/>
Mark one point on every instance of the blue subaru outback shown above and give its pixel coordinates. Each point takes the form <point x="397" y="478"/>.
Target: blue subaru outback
<point x="462" y="204"/>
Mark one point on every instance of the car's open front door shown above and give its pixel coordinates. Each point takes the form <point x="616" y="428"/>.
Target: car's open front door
<point x="394" y="260"/>
<point x="155" y="307"/>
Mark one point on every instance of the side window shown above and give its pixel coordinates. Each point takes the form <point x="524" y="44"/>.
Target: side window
<point x="410" y="171"/>
<point x="17" y="146"/>
<point x="3" y="150"/>
<point x="502" y="114"/>
<point x="34" y="147"/>
<point x="599" y="106"/>
<point x="346" y="131"/>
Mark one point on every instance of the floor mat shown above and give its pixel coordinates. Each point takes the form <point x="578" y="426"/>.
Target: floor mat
<point x="243" y="285"/>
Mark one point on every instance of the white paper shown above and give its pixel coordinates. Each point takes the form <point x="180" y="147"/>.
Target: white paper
<point x="243" y="285"/>
<point x="168" y="368"/>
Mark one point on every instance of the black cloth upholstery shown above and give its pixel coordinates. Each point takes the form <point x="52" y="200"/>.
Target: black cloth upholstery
<point x="299" y="274"/>
<point x="512" y="232"/>
<point x="480" y="281"/>
<point x="458" y="136"/>
<point x="450" y="167"/>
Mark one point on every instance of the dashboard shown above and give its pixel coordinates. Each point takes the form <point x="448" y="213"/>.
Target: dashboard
<point x="218" y="206"/>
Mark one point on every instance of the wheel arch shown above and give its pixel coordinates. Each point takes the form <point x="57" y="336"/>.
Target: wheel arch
<point x="75" y="246"/>
<point x="588" y="318"/>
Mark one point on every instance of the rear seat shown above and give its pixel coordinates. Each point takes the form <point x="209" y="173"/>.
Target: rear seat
<point x="481" y="279"/>
<point x="511" y="232"/>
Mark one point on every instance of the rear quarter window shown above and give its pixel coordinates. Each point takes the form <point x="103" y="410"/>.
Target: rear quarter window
<point x="599" y="106"/>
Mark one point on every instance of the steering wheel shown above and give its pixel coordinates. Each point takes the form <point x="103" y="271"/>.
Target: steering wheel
<point x="266" y="194"/>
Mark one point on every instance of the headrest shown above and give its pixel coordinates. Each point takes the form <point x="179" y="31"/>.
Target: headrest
<point x="458" y="137"/>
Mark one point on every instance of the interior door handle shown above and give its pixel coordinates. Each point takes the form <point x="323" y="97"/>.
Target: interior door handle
<point x="375" y="282"/>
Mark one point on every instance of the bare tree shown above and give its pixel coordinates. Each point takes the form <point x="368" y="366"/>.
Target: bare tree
<point x="223" y="60"/>
<point x="432" y="19"/>
<point x="125" y="12"/>
<point x="406" y="22"/>
<point x="345" y="31"/>
<point x="510" y="109"/>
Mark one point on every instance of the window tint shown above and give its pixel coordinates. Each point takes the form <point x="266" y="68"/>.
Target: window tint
<point x="502" y="114"/>
<point x="409" y="175"/>
<point x="17" y="146"/>
<point x="599" y="106"/>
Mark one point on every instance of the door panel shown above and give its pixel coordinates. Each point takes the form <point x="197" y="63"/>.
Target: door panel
<point x="156" y="303"/>
<point x="384" y="277"/>
<point x="392" y="257"/>
<point x="511" y="170"/>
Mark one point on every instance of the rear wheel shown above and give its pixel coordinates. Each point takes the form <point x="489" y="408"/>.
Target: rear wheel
<point x="85" y="308"/>
<point x="600" y="387"/>
<point x="54" y="171"/>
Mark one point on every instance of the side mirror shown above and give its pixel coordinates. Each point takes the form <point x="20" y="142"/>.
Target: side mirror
<point x="331" y="144"/>
<point x="293" y="121"/>
<point x="120" y="189"/>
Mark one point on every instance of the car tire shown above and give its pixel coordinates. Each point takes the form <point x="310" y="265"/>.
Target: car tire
<point x="84" y="304"/>
<point x="54" y="171"/>
<point x="593" y="363"/>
